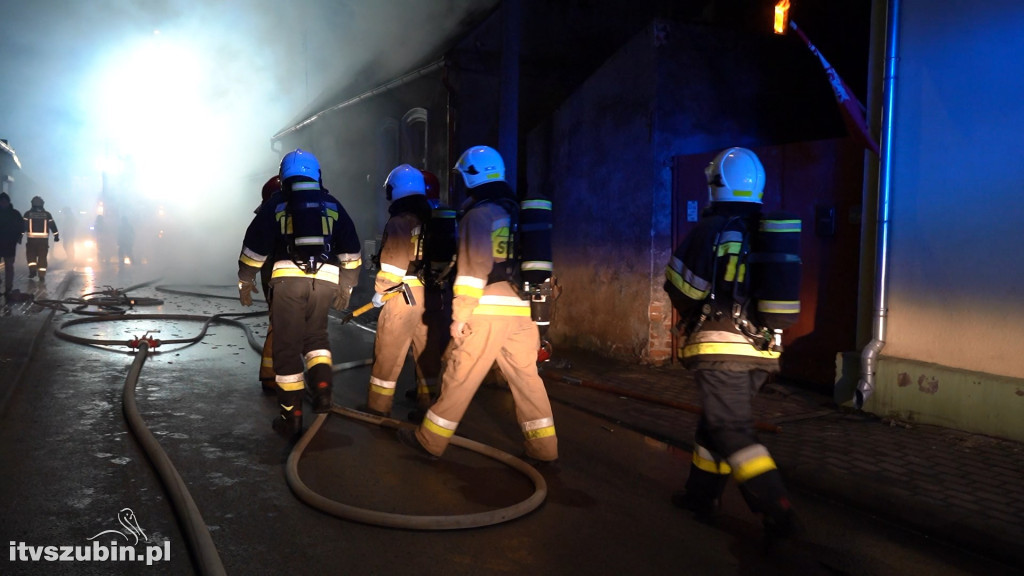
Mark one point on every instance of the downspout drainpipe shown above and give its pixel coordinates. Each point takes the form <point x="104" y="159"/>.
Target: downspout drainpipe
<point x="869" y="356"/>
<point x="418" y="73"/>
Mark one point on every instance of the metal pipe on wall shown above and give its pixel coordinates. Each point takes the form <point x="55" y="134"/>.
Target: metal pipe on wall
<point x="508" y="119"/>
<point x="869" y="356"/>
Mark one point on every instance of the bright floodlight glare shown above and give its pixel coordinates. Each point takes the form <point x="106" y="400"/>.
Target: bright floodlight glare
<point x="781" y="16"/>
<point x="150" y="105"/>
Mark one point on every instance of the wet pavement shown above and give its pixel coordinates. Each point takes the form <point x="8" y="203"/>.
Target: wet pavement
<point x="624" y="431"/>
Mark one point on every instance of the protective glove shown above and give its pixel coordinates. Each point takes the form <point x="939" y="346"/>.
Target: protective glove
<point x="245" y="291"/>
<point x="56" y="236"/>
<point x="457" y="329"/>
<point x="341" y="298"/>
<point x="378" y="300"/>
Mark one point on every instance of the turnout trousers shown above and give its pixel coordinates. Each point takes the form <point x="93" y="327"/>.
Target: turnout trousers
<point x="512" y="342"/>
<point x="36" y="250"/>
<point x="726" y="443"/>
<point x="399" y="328"/>
<point x="299" y="315"/>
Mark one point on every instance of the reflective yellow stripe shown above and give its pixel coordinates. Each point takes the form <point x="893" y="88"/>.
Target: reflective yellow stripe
<point x="318" y="360"/>
<point x="442" y="432"/>
<point x="753" y="467"/>
<point x="267" y="362"/>
<point x="322" y="274"/>
<point x="709" y="465"/>
<point x="471" y="291"/>
<point x="731" y="348"/>
<point x="250" y="262"/>
<point x="778" y="306"/>
<point x="501" y="310"/>
<point x="390" y="276"/>
<point x="351" y="264"/>
<point x="382" y="387"/>
<point x="780" y="226"/>
<point x="545" y="432"/>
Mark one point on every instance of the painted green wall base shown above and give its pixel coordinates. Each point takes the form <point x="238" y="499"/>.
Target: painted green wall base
<point x="926" y="393"/>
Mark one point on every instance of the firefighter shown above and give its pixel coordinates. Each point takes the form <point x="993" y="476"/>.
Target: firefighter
<point x="312" y="242"/>
<point x="12" y="228"/>
<point x="267" y="382"/>
<point x="706" y="282"/>
<point x="490" y="322"/>
<point x="38" y="224"/>
<point x="402" y="324"/>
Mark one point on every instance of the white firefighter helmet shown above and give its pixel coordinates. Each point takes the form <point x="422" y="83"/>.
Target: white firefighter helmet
<point x="479" y="165"/>
<point x="735" y="175"/>
<point x="404" y="181"/>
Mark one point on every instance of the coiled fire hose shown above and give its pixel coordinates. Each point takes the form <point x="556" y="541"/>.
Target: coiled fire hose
<point x="199" y="540"/>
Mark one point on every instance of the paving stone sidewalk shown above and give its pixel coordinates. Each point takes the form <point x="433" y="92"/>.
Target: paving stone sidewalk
<point x="960" y="488"/>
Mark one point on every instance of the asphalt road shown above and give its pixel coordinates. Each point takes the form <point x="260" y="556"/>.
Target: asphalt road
<point x="71" y="465"/>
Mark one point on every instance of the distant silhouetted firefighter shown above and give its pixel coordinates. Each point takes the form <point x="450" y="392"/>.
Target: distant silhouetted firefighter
<point x="39" y="225"/>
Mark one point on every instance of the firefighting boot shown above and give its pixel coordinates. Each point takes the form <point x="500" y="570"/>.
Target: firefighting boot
<point x="765" y="494"/>
<point x="289" y="422"/>
<point x="31" y="271"/>
<point x="702" y="494"/>
<point x="42" y="275"/>
<point x="320" y="383"/>
<point x="425" y="396"/>
<point x="407" y="437"/>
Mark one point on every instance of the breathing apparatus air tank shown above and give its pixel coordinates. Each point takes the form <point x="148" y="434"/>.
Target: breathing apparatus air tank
<point x="535" y="223"/>
<point x="775" y="271"/>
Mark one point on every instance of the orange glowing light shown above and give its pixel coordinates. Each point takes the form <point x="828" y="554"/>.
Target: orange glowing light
<point x="781" y="16"/>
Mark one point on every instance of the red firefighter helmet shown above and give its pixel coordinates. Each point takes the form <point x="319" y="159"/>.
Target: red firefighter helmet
<point x="432" y="185"/>
<point x="273" y="186"/>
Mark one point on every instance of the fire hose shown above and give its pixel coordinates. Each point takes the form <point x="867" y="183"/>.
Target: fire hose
<point x="200" y="542"/>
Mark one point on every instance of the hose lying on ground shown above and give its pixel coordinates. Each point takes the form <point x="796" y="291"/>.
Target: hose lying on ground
<point x="311" y="498"/>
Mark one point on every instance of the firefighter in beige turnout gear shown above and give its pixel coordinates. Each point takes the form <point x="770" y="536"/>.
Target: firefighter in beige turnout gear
<point x="490" y="322"/>
<point x="401" y="324"/>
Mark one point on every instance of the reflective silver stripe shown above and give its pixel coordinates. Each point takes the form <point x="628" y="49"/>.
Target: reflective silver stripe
<point x="470" y="282"/>
<point x="780" y="225"/>
<point x="699" y="284"/>
<point x="503" y="300"/>
<point x="389" y="384"/>
<point x="285" y="378"/>
<point x="536" y="204"/>
<point x="750" y="462"/>
<point x="778" y="306"/>
<point x="538" y="424"/>
<point x="305" y="186"/>
<point x="252" y="255"/>
<point x="716" y="336"/>
<point x="529" y="265"/>
<point x="393" y="270"/>
<point x="730" y="236"/>
<point x="442" y="422"/>
<point x="288" y="264"/>
<point x="314" y="353"/>
<point x="308" y="240"/>
<point x="704" y="453"/>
